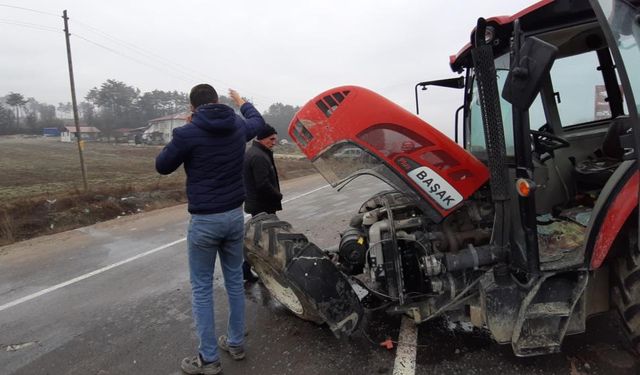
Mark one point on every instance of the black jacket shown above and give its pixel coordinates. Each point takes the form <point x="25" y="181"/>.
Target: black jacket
<point x="261" y="181"/>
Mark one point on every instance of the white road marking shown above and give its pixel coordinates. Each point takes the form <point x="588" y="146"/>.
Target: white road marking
<point x="87" y="275"/>
<point x="405" y="363"/>
<point x="117" y="264"/>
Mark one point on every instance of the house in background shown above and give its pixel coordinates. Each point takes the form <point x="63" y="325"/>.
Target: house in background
<point x="160" y="129"/>
<point x="129" y="135"/>
<point x="87" y="133"/>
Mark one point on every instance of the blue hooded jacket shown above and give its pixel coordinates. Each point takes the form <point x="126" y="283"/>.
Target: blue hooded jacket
<point x="212" y="147"/>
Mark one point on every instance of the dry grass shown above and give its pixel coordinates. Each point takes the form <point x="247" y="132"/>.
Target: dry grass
<point x="42" y="167"/>
<point x="41" y="190"/>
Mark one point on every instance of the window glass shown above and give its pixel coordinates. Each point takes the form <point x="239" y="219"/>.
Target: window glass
<point x="476" y="142"/>
<point x="392" y="139"/>
<point x="344" y="160"/>
<point x="580" y="98"/>
<point x="579" y="88"/>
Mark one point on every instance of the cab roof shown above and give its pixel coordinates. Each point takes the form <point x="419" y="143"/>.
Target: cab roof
<point x="541" y="16"/>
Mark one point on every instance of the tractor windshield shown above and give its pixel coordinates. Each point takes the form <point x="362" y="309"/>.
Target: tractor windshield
<point x="577" y="88"/>
<point x="476" y="141"/>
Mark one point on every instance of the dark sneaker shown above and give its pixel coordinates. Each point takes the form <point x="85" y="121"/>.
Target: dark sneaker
<point x="236" y="352"/>
<point x="247" y="273"/>
<point x="251" y="278"/>
<point x="195" y="365"/>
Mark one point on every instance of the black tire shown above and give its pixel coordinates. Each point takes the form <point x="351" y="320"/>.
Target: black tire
<point x="625" y="287"/>
<point x="269" y="247"/>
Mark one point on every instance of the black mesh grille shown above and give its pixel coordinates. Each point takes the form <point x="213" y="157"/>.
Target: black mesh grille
<point x="492" y="119"/>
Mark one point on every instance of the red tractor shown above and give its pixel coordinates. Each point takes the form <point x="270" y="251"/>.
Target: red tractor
<point x="527" y="230"/>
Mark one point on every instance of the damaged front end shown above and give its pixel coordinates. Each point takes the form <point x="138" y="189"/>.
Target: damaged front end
<point x="419" y="248"/>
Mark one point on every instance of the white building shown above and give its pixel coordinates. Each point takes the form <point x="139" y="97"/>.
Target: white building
<point x="161" y="128"/>
<point x="87" y="133"/>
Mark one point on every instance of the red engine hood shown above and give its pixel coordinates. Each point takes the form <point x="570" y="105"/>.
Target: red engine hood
<point x="433" y="166"/>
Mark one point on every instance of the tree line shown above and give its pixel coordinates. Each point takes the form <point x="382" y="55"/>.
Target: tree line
<point x="110" y="106"/>
<point x="20" y="115"/>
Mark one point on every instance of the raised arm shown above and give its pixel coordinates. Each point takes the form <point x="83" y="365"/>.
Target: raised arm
<point x="253" y="118"/>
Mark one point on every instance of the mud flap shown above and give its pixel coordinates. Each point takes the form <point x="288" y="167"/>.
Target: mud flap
<point x="332" y="295"/>
<point x="300" y="276"/>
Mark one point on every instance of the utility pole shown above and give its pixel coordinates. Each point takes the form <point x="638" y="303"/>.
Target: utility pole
<point x="74" y="102"/>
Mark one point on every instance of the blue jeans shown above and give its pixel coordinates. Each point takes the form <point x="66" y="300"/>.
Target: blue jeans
<point x="209" y="235"/>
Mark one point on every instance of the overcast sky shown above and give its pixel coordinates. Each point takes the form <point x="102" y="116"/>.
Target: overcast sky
<point x="270" y="51"/>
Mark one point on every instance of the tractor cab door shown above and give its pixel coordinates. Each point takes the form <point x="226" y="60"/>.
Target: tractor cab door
<point x="620" y="21"/>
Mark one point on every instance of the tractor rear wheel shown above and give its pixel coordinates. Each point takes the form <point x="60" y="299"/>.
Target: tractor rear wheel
<point x="625" y="288"/>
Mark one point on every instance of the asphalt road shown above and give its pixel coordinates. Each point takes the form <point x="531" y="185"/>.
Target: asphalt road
<point x="113" y="298"/>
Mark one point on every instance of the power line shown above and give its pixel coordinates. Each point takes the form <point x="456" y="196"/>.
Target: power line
<point x="156" y="58"/>
<point x="183" y="78"/>
<point x="99" y="32"/>
<point x="52" y="29"/>
<point x="196" y="74"/>
<point x="128" y="45"/>
<point x="186" y="73"/>
<point x="29" y="25"/>
<point x="139" y="50"/>
<point x="29" y="10"/>
<point x="40" y="27"/>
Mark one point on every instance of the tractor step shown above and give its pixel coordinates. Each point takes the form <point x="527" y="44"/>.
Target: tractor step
<point x="546" y="313"/>
<point x="541" y="310"/>
<point x="532" y="344"/>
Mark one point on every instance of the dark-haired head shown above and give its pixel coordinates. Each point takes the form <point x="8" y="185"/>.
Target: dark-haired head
<point x="202" y="94"/>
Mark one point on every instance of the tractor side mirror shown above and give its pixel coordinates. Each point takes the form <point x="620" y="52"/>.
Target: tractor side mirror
<point x="531" y="65"/>
<point x="454" y="83"/>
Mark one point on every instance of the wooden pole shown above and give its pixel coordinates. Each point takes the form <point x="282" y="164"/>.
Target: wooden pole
<point x="74" y="102"/>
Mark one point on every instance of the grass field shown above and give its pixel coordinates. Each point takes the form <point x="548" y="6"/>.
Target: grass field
<point x="41" y="189"/>
<point x="42" y="167"/>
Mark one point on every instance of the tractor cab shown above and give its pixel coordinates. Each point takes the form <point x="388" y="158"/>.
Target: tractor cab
<point x="564" y="116"/>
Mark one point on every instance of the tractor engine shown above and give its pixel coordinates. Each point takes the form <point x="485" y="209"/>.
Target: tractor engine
<point x="402" y="255"/>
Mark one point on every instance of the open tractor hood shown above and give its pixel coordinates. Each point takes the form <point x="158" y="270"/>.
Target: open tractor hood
<point x="349" y="131"/>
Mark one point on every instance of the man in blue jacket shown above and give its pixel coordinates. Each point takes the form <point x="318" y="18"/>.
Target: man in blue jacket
<point x="212" y="147"/>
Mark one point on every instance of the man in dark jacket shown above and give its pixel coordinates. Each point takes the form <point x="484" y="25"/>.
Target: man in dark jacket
<point x="211" y="147"/>
<point x="261" y="176"/>
<point x="261" y="181"/>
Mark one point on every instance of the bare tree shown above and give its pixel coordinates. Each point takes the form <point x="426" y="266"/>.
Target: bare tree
<point x="16" y="101"/>
<point x="66" y="109"/>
